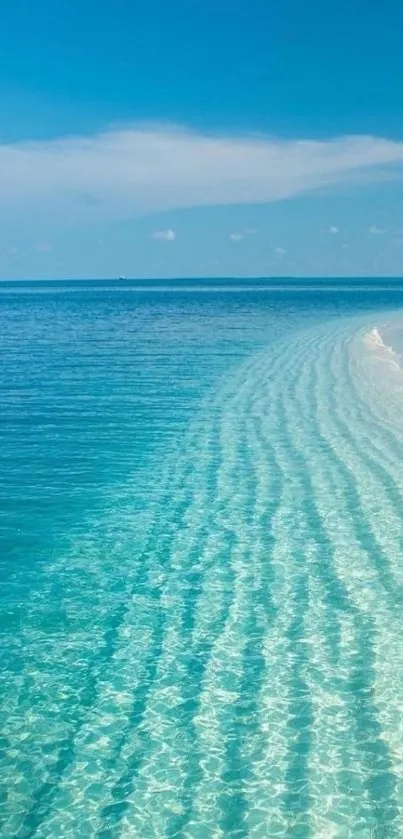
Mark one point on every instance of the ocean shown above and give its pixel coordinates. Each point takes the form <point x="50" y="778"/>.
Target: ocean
<point x="201" y="551"/>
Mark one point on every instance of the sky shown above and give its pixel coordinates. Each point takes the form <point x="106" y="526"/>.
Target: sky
<point x="201" y="138"/>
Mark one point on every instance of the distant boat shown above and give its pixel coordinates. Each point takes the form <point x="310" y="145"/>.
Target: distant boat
<point x="122" y="277"/>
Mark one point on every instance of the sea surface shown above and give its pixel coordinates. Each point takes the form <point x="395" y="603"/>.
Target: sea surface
<point x="201" y="559"/>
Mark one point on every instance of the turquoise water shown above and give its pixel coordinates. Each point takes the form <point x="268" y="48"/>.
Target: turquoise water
<point x="201" y="548"/>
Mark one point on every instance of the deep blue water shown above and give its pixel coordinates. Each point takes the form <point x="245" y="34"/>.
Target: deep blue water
<point x="201" y="555"/>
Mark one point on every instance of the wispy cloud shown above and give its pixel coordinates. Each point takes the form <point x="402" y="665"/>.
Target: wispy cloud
<point x="164" y="235"/>
<point x="139" y="170"/>
<point x="376" y="230"/>
<point x="43" y="247"/>
<point x="238" y="235"/>
<point x="333" y="229"/>
<point x="280" y="251"/>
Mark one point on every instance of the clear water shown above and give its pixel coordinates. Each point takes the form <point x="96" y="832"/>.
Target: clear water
<point x="201" y="548"/>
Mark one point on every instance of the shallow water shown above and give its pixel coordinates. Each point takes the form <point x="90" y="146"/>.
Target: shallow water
<point x="202" y="562"/>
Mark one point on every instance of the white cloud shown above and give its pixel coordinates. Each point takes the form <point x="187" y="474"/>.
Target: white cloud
<point x="376" y="230"/>
<point x="238" y="235"/>
<point x="43" y="247"/>
<point x="140" y="170"/>
<point x="333" y="229"/>
<point x="164" y="235"/>
<point x="280" y="251"/>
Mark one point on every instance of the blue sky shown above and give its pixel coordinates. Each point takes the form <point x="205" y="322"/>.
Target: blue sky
<point x="200" y="138"/>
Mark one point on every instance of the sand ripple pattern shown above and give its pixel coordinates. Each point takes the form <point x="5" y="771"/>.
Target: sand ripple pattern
<point x="237" y="669"/>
